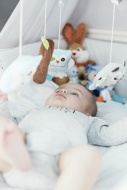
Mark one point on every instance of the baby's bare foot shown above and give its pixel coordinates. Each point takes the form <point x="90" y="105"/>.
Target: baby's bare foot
<point x="12" y="147"/>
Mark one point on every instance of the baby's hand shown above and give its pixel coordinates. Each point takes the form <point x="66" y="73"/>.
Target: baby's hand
<point x="3" y="96"/>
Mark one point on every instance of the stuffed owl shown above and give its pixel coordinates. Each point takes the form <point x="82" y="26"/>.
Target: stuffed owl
<point x="20" y="72"/>
<point x="61" y="63"/>
<point x="109" y="75"/>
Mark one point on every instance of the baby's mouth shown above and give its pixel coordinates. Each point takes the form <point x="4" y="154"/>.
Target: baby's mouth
<point x="60" y="95"/>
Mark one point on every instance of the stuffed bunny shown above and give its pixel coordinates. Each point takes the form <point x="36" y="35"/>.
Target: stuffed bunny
<point x="75" y="39"/>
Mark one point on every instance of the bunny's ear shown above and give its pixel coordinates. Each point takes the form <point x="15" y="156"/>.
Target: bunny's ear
<point x="68" y="33"/>
<point x="80" y="33"/>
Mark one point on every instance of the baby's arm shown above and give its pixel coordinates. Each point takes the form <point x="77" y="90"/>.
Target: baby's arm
<point x="12" y="146"/>
<point x="108" y="135"/>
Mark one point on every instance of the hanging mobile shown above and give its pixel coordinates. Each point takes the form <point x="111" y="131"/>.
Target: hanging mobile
<point x="113" y="72"/>
<point x="62" y="60"/>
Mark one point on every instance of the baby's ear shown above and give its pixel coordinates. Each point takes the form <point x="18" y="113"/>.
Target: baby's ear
<point x="81" y="31"/>
<point x="69" y="34"/>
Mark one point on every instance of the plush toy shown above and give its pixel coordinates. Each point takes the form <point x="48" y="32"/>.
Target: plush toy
<point x="61" y="63"/>
<point x="118" y="98"/>
<point x="72" y="73"/>
<point x="27" y="68"/>
<point x="19" y="73"/>
<point x="60" y="81"/>
<point x="100" y="94"/>
<point x="115" y="97"/>
<point x="75" y="39"/>
<point x="109" y="75"/>
<point x="46" y="50"/>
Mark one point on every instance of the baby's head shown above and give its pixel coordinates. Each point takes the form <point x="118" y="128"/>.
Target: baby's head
<point x="75" y="97"/>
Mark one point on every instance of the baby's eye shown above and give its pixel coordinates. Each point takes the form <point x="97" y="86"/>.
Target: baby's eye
<point x="75" y="94"/>
<point x="78" y="49"/>
<point x="57" y="91"/>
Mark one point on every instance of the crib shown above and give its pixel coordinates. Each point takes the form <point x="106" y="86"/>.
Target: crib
<point x="114" y="165"/>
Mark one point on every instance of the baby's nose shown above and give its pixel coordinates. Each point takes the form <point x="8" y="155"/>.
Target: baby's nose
<point x="64" y="91"/>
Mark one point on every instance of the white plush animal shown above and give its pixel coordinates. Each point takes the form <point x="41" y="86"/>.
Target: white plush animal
<point x="80" y="55"/>
<point x="20" y="72"/>
<point x="72" y="73"/>
<point x="109" y="75"/>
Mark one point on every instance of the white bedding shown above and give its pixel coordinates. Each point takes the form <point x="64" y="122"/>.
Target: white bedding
<point x="114" y="168"/>
<point x="114" y="165"/>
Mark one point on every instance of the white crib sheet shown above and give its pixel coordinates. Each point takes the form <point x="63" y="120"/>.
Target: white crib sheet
<point x="114" y="166"/>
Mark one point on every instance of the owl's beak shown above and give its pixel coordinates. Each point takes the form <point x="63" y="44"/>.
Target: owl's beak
<point x="57" y="61"/>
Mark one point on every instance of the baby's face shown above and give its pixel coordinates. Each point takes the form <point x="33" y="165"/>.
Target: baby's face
<point x="71" y="96"/>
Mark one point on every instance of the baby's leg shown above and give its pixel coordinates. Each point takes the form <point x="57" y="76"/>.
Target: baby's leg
<point x="79" y="168"/>
<point x="12" y="147"/>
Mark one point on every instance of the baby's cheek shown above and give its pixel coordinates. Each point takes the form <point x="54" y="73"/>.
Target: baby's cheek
<point x="79" y="105"/>
<point x="74" y="103"/>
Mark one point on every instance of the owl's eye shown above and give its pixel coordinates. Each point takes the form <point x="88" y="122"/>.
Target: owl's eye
<point x="62" y="59"/>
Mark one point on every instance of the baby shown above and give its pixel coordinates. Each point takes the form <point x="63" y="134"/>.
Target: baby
<point x="56" y="137"/>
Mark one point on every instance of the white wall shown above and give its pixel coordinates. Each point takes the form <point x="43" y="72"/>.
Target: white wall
<point x="33" y="22"/>
<point x="98" y="14"/>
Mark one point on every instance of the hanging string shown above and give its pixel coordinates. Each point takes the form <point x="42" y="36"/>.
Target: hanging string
<point x="45" y="18"/>
<point x="113" y="21"/>
<point x="21" y="28"/>
<point x="61" y="4"/>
